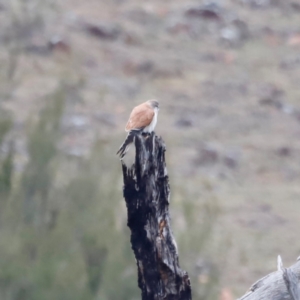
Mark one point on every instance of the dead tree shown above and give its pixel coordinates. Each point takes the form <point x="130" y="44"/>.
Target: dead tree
<point x="146" y="192"/>
<point x="279" y="285"/>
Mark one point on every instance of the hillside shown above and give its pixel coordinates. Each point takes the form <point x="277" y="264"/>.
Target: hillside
<point x="226" y="74"/>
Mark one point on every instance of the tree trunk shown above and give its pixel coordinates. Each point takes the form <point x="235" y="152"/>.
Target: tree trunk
<point x="146" y="192"/>
<point x="280" y="285"/>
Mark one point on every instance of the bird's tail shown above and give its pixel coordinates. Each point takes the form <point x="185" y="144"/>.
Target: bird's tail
<point x="125" y="146"/>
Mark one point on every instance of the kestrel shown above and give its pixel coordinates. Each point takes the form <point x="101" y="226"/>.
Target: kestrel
<point x="143" y="118"/>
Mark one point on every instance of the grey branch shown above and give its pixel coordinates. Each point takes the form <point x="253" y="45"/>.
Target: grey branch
<point x="147" y="192"/>
<point x="279" y="285"/>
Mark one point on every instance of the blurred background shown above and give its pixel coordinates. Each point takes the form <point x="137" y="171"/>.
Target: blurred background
<point x="227" y="76"/>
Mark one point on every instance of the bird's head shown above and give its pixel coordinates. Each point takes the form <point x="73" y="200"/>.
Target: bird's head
<point x="153" y="103"/>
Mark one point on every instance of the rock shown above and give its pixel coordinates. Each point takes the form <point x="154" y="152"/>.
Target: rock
<point x="42" y="47"/>
<point x="272" y="96"/>
<point x="271" y="102"/>
<point x="235" y="32"/>
<point x="103" y="31"/>
<point x="210" y="11"/>
<point x="288" y="109"/>
<point x="146" y="66"/>
<point x="242" y="27"/>
<point x="295" y="6"/>
<point x="78" y="121"/>
<point x="230" y="33"/>
<point x="231" y="159"/>
<point x="208" y="155"/>
<point x="57" y="43"/>
<point x="184" y="122"/>
<point x="258" y="3"/>
<point x="280" y="105"/>
<point x="284" y="151"/>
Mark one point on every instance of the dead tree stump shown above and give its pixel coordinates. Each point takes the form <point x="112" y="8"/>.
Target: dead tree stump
<point x="146" y="192"/>
<point x="279" y="285"/>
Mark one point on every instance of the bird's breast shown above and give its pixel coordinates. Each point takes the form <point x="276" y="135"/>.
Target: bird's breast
<point x="152" y="125"/>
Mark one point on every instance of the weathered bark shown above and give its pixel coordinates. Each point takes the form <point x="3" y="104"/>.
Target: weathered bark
<point x="146" y="192"/>
<point x="279" y="285"/>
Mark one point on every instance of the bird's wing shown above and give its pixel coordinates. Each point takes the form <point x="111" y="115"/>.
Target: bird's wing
<point x="140" y="117"/>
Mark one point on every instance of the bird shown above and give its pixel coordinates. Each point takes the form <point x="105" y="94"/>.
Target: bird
<point x="142" y="119"/>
